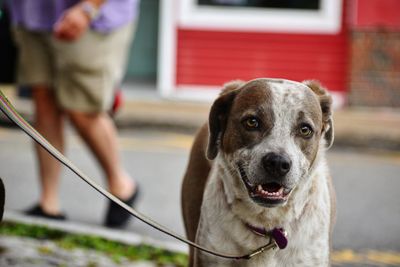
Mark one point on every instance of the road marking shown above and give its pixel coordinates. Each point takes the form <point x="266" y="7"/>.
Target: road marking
<point x="370" y="257"/>
<point x="390" y="258"/>
<point x="164" y="141"/>
<point x="346" y="256"/>
<point x="167" y="141"/>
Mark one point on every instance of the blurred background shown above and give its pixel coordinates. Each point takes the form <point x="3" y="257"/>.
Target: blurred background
<point x="188" y="48"/>
<point x="182" y="53"/>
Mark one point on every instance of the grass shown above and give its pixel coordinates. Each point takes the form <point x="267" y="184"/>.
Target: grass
<point x="115" y="250"/>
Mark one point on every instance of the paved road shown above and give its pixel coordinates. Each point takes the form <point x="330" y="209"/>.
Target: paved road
<point x="367" y="232"/>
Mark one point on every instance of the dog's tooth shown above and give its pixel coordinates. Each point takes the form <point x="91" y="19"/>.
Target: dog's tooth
<point x="259" y="188"/>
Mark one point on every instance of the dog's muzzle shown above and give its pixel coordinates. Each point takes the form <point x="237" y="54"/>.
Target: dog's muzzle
<point x="270" y="194"/>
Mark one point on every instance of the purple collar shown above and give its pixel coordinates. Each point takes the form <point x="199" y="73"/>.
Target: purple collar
<point x="261" y="231"/>
<point x="278" y="235"/>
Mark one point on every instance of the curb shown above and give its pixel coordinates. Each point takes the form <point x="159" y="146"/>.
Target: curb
<point x="368" y="128"/>
<point x="164" y="114"/>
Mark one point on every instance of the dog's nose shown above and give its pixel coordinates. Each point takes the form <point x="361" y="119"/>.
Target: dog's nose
<point x="276" y="165"/>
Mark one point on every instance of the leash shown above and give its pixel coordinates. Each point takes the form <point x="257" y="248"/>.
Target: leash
<point x="277" y="237"/>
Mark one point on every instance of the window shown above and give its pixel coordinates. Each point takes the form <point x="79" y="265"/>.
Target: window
<point x="286" y="4"/>
<point x="306" y="16"/>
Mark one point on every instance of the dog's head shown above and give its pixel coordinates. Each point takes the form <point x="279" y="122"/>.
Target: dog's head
<point x="269" y="133"/>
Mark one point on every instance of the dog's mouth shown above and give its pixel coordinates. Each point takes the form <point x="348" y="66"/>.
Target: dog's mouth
<point x="268" y="194"/>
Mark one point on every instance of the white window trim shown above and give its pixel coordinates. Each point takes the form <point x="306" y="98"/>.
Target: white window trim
<point x="166" y="71"/>
<point x="325" y="20"/>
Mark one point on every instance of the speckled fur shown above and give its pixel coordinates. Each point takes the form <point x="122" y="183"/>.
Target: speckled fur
<point x="226" y="205"/>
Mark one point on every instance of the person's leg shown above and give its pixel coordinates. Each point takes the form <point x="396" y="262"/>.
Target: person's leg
<point x="48" y="122"/>
<point x="89" y="71"/>
<point x="36" y="69"/>
<point x="98" y="131"/>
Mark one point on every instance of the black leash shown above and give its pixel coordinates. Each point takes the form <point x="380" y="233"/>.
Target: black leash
<point x="277" y="237"/>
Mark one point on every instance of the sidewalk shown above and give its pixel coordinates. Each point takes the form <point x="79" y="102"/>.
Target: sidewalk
<point x="43" y="253"/>
<point x="377" y="128"/>
<point x="35" y="252"/>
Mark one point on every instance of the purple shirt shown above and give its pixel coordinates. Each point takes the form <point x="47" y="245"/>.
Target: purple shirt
<point x="40" y="15"/>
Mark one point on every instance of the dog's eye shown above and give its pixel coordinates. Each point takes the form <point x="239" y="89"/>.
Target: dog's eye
<point x="306" y="131"/>
<point x="251" y="123"/>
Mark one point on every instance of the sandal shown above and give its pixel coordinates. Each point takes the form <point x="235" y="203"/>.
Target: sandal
<point x="39" y="212"/>
<point x="118" y="217"/>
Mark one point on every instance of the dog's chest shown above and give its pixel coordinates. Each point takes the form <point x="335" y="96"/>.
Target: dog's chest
<point x="307" y="247"/>
<point x="224" y="230"/>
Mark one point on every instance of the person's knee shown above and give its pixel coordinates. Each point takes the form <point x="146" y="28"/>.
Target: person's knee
<point x="42" y="91"/>
<point x="44" y="100"/>
<point x="83" y="119"/>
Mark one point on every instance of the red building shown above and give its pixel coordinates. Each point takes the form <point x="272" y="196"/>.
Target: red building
<point x="205" y="43"/>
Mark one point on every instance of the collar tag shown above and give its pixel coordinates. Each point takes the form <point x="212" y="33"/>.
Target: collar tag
<point x="277" y="236"/>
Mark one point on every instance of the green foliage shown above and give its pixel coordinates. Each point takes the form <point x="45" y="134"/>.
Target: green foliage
<point x="115" y="250"/>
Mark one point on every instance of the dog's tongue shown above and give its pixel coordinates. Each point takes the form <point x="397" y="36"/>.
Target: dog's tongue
<point x="271" y="187"/>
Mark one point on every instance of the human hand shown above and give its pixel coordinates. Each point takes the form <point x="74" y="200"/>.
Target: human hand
<point x="72" y="24"/>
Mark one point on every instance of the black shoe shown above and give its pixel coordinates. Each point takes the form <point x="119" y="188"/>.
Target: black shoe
<point x="116" y="216"/>
<point x="38" y="212"/>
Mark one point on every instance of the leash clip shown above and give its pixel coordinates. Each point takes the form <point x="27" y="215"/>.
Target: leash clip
<point x="277" y="239"/>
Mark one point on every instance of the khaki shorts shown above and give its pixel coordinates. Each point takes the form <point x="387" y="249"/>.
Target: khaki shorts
<point x="83" y="73"/>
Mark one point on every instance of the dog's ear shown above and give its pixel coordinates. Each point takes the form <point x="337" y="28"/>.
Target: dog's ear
<point x="218" y="116"/>
<point x="325" y="101"/>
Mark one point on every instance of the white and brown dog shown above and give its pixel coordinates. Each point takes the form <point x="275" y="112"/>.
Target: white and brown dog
<point x="260" y="164"/>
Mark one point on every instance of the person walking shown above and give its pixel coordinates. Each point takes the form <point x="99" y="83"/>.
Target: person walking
<point x="73" y="54"/>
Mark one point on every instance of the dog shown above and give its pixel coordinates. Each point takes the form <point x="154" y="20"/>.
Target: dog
<point x="260" y="164"/>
